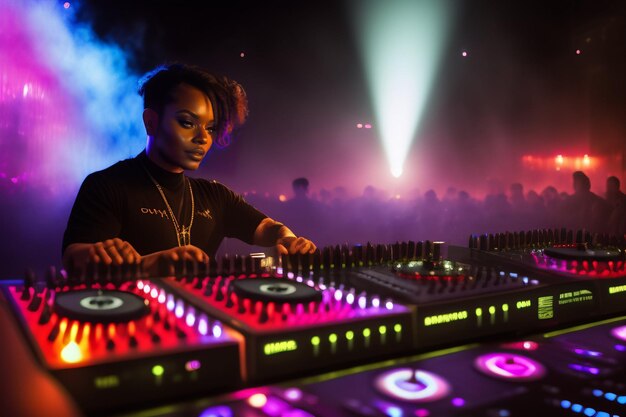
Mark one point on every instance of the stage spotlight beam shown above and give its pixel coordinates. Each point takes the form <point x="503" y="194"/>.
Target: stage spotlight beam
<point x="401" y="43"/>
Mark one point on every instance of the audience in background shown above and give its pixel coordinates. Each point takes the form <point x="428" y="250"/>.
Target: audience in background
<point x="616" y="202"/>
<point x="331" y="217"/>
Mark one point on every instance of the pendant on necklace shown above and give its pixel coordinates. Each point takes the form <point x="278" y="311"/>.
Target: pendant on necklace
<point x="185" y="236"/>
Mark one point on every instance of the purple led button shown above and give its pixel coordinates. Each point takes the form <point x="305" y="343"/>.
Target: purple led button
<point x="510" y="366"/>
<point x="619" y="333"/>
<point x="412" y="385"/>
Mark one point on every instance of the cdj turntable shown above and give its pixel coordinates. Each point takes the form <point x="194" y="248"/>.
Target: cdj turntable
<point x="559" y="256"/>
<point x="115" y="345"/>
<point x="291" y="323"/>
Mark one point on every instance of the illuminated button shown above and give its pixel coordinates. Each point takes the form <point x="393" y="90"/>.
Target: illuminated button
<point x="349" y="335"/>
<point x="589" y="412"/>
<point x="530" y="345"/>
<point x="219" y="411"/>
<point x="157" y="370"/>
<point x="350" y="298"/>
<point x="505" y="307"/>
<point x="203" y="326"/>
<point x="71" y="353"/>
<point x="621" y="399"/>
<point x="566" y="404"/>
<point x="619" y="333"/>
<point x="108" y="381"/>
<point x="293" y="394"/>
<point x="412" y="385"/>
<point x="315" y="340"/>
<point x="597" y="392"/>
<point x="479" y="312"/>
<point x="577" y="408"/>
<point x="583" y="368"/>
<point x="332" y="338"/>
<point x="397" y="328"/>
<point x="257" y="400"/>
<point x="492" y="310"/>
<point x="382" y="329"/>
<point x="610" y="396"/>
<point x="393" y="411"/>
<point x="217" y="330"/>
<point x="458" y="402"/>
<point x="367" y="332"/>
<point x="192" y="365"/>
<point x="509" y="366"/>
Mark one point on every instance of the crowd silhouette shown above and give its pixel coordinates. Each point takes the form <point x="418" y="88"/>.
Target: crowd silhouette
<point x="35" y="218"/>
<point x="331" y="217"/>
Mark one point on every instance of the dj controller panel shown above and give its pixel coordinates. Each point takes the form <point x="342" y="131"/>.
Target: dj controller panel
<point x="512" y="325"/>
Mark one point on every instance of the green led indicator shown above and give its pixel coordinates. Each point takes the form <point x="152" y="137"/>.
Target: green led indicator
<point x="382" y="329"/>
<point x="367" y="332"/>
<point x="157" y="370"/>
<point x="349" y="335"/>
<point x="332" y="338"/>
<point x="505" y="307"/>
<point x="315" y="340"/>
<point x="479" y="312"/>
<point x="108" y="381"/>
<point x="492" y="310"/>
<point x="397" y="328"/>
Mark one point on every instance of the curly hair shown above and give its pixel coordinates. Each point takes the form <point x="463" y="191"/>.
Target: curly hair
<point x="228" y="98"/>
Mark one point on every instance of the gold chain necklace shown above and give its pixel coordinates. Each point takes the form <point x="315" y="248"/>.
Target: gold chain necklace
<point x="182" y="234"/>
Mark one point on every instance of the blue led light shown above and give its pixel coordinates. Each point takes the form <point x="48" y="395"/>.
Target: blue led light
<point x="514" y="275"/>
<point x="582" y="368"/>
<point x="585" y="352"/>
<point x="621" y="399"/>
<point x="597" y="392"/>
<point x="566" y="404"/>
<point x="620" y="348"/>
<point x="219" y="411"/>
<point x="393" y="411"/>
<point x="589" y="412"/>
<point x="603" y="414"/>
<point x="504" y="413"/>
<point x="610" y="396"/>
<point x="525" y="280"/>
<point x="577" y="408"/>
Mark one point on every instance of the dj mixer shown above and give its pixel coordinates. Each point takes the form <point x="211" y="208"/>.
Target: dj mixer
<point x="119" y="340"/>
<point x="578" y="371"/>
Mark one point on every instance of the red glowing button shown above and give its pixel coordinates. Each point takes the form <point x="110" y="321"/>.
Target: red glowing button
<point x="523" y="345"/>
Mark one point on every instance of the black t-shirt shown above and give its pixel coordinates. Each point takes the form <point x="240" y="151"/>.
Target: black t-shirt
<point x="122" y="201"/>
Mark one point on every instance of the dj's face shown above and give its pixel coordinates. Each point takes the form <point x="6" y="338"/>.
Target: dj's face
<point x="184" y="132"/>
